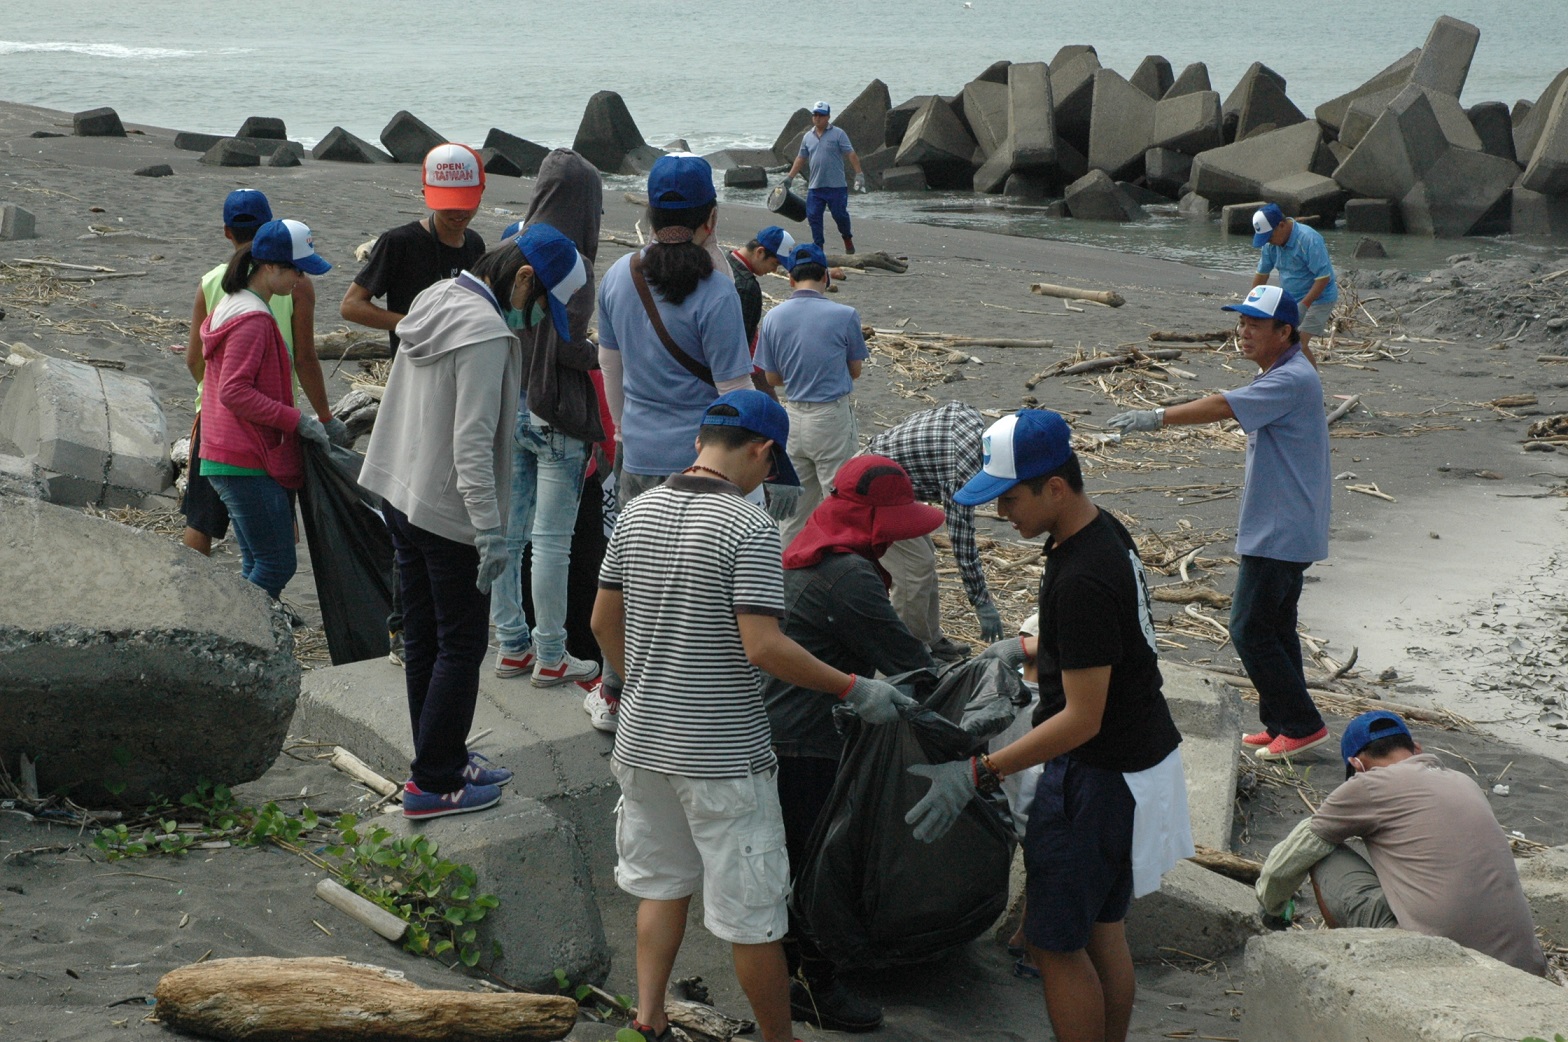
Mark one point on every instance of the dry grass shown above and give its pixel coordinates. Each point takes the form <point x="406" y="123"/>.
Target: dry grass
<point x="164" y="522"/>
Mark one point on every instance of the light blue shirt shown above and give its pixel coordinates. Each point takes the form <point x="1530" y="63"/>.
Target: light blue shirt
<point x="1301" y="262"/>
<point x="1285" y="501"/>
<point x="827" y="156"/>
<point x="810" y="341"/>
<point x="665" y="403"/>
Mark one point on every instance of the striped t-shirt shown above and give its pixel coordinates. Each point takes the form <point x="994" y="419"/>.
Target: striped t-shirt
<point x="688" y="557"/>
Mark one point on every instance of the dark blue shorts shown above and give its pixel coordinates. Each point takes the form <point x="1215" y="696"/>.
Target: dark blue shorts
<point x="202" y="508"/>
<point x="1078" y="854"/>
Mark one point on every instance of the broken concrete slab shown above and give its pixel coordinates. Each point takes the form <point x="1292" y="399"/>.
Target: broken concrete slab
<point x="1377" y="216"/>
<point x="1166" y="170"/>
<point x="607" y="135"/>
<point x="1193" y="78"/>
<point x="1389" y="985"/>
<point x="1188" y="123"/>
<point x="1237" y="173"/>
<point x="1547" y="171"/>
<point x="1494" y="127"/>
<point x="1072" y="95"/>
<point x="1095" y="197"/>
<point x="1537" y="214"/>
<point x="138" y="435"/>
<point x="155" y="170"/>
<point x="17" y="223"/>
<point x="1207" y="712"/>
<point x="865" y="118"/>
<point x="1195" y="912"/>
<point x="1263" y="103"/>
<point x="339" y="146"/>
<point x="408" y="139"/>
<point x="1331" y="114"/>
<point x="1545" y="881"/>
<point x="263" y="127"/>
<point x="1121" y="127"/>
<point x="22" y="478"/>
<point x="746" y="177"/>
<point x="524" y="154"/>
<point x="1445" y="57"/>
<point x="133" y="667"/>
<point x="1244" y="87"/>
<point x="1236" y="218"/>
<point x="1306" y="195"/>
<point x="1153" y="76"/>
<point x="231" y="151"/>
<point x="985" y="105"/>
<point x="1531" y="123"/>
<point x="1458" y="194"/>
<point x="101" y="122"/>
<point x="1031" y="120"/>
<point x="905" y="179"/>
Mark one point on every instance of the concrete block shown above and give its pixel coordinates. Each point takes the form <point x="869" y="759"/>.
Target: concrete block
<point x="985" y="105"/>
<point x="1188" y="123"/>
<point x="935" y="138"/>
<point x="1331" y="114"/>
<point x="1031" y="120"/>
<point x="607" y="133"/>
<point x="1144" y="196"/>
<point x="746" y="177"/>
<point x="1362" y="113"/>
<point x="1531" y="123"/>
<point x="21" y="477"/>
<point x="1243" y="89"/>
<point x="1445" y="57"/>
<point x="1193" y="78"/>
<point x="1166" y="170"/>
<point x="104" y="122"/>
<point x="1547" y="171"/>
<point x="798" y="121"/>
<point x="339" y="146"/>
<point x="1389" y="985"/>
<point x="263" y="127"/>
<point x="1369" y="249"/>
<point x="1376" y="216"/>
<point x="896" y="125"/>
<point x="1493" y="127"/>
<point x="1545" y="881"/>
<point x="640" y="160"/>
<point x="1537" y="214"/>
<point x="1194" y="911"/>
<point x="996" y="73"/>
<point x="155" y="170"/>
<point x="1029" y="186"/>
<point x="1207" y="712"/>
<point x="730" y="158"/>
<point x="231" y="151"/>
<point x="1095" y="197"/>
<point x="1237" y="173"/>
<point x="1067" y="52"/>
<point x="190" y="141"/>
<point x="1455" y="194"/>
<point x="55" y="414"/>
<point x="129" y="661"/>
<point x="1306" y="195"/>
<point x="1405" y="140"/>
<point x="289" y="153"/>
<point x="904" y="179"/>
<point x="874" y="165"/>
<point x="498" y="163"/>
<point x="524" y="154"/>
<point x="1236" y="218"/>
<point x="407" y="138"/>
<point x="1121" y="128"/>
<point x="1153" y="76"/>
<point x="1264" y="104"/>
<point x="865" y="117"/>
<point x="678" y="144"/>
<point x="17" y="223"/>
<point x="1072" y="95"/>
<point x="1518" y="113"/>
<point x="138" y="434"/>
<point x="1194" y="205"/>
<point x="1071" y="164"/>
<point x="991" y="177"/>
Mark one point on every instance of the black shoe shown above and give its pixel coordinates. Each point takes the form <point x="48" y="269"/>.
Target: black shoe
<point x="949" y="650"/>
<point x="833" y="1007"/>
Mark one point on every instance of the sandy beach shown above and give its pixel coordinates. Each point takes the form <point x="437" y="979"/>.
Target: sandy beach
<point x="1445" y="580"/>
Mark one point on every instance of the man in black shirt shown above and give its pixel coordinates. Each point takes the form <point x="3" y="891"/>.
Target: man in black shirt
<point x="1102" y="730"/>
<point x="412" y="257"/>
<point x="764" y="255"/>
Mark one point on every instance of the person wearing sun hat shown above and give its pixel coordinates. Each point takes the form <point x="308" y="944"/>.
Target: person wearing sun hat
<point x="1285" y="502"/>
<point x="1305" y="270"/>
<point x="1437" y="862"/>
<point x="1109" y="815"/>
<point x="441" y="458"/>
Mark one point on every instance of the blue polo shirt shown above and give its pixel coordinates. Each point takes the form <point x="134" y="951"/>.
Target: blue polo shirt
<point x="810" y="341"/>
<point x="665" y="403"/>
<point x="827" y="156"/>
<point x="1301" y="262"/>
<point x="1286" y="498"/>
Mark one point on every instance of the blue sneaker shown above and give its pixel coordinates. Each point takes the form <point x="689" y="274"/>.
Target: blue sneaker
<point x="479" y="772"/>
<point x="420" y="804"/>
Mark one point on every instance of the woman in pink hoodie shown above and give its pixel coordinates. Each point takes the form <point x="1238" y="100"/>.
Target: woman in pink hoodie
<point x="250" y="427"/>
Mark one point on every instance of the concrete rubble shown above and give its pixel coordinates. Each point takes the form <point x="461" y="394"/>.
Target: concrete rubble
<point x="609" y="139"/>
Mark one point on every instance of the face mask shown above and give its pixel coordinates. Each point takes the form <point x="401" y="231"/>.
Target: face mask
<point x="515" y="319"/>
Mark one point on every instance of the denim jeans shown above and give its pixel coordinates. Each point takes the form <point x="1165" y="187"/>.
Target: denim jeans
<point x="263" y="517"/>
<point x="547" y="484"/>
<point x="835" y="199"/>
<point x="1263" y="628"/>
<point x="446" y="632"/>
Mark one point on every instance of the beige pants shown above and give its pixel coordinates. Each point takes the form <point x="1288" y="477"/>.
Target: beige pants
<point x="822" y="436"/>
<point x="912" y="565"/>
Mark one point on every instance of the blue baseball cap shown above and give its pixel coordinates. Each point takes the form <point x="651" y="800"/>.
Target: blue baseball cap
<point x="1366" y="729"/>
<point x="558" y="265"/>
<point x="512" y="230"/>
<point x="1028" y="444"/>
<point x="1264" y="222"/>
<point x="246" y="208"/>
<point x="288" y="242"/>
<point x="680" y="180"/>
<point x="762" y="416"/>
<point x="807" y="253"/>
<point x="1268" y="302"/>
<point x="821" y="108"/>
<point x="778" y="244"/>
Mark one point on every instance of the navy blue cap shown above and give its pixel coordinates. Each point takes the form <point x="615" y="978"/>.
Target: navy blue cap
<point x="246" y="208"/>
<point x="680" y="180"/>
<point x="807" y="253"/>
<point x="288" y="242"/>
<point x="1264" y="222"/>
<point x="762" y="416"/>
<point x="1268" y="302"/>
<point x="1368" y="728"/>
<point x="558" y="265"/>
<point x="1028" y="444"/>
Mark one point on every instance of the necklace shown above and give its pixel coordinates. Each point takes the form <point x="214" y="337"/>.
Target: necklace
<point x="718" y="474"/>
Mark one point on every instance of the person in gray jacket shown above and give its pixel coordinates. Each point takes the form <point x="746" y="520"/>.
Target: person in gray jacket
<point x="439" y="456"/>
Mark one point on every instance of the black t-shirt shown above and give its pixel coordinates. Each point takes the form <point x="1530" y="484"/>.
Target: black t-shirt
<point x="750" y="298"/>
<point x="408" y="260"/>
<point x="1094" y="611"/>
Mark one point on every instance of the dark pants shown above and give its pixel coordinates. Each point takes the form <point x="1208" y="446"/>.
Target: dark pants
<point x="835" y="199"/>
<point x="582" y="577"/>
<point x="446" y="632"/>
<point x="805" y="782"/>
<point x="1263" y="628"/>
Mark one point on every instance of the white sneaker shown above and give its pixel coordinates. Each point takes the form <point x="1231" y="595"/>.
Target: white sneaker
<point x="600" y="712"/>
<point x="514" y="663"/>
<point x="566" y="671"/>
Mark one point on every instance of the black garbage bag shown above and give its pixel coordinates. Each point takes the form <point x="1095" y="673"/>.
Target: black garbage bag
<point x="350" y="552"/>
<point x="872" y="895"/>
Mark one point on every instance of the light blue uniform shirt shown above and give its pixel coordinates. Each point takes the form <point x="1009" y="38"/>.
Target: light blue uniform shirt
<point x="810" y="341"/>
<point x="1301" y="262"/>
<point x="665" y="403"/>
<point x="1286" y="499"/>
<point x="827" y="156"/>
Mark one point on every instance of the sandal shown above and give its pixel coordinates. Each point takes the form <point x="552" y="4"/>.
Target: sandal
<point x="1024" y="969"/>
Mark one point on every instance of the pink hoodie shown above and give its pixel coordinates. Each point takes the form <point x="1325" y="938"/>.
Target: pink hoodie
<point x="248" y="418"/>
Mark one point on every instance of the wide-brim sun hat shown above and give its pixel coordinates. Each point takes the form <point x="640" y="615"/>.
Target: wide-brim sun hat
<point x="882" y="484"/>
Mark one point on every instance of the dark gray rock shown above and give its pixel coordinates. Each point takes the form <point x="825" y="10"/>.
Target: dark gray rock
<point x="746" y="177"/>
<point x="1264" y="103"/>
<point x="1166" y="170"/>
<point x="1188" y="123"/>
<point x="935" y="138"/>
<point x="1445" y="58"/>
<point x="339" y="146"/>
<point x="864" y="119"/>
<point x="1236" y="218"/>
<point x="1531" y="123"/>
<point x="1537" y="214"/>
<point x="1231" y="110"/>
<point x="190" y="141"/>
<point x="17" y="223"/>
<point x="498" y="163"/>
<point x="263" y="126"/>
<point x="1095" y="197"/>
<point x="1237" y="173"/>
<point x="607" y="134"/>
<point x="45" y="133"/>
<point x="1072" y="94"/>
<point x="156" y="170"/>
<point x="1369" y="249"/>
<point x="525" y="155"/>
<point x="1031" y="117"/>
<point x="1193" y="78"/>
<point x="1494" y="127"/>
<point x="1153" y="76"/>
<point x="796" y="125"/>
<point x="1461" y="193"/>
<point x="985" y="105"/>
<point x="1029" y="186"/>
<point x="1547" y="171"/>
<point x="231" y="151"/>
<point x="1373" y="216"/>
<point x="903" y="179"/>
<point x="408" y="139"/>
<point x="288" y="153"/>
<point x="1331" y="114"/>
<point x="104" y="122"/>
<point x="996" y="72"/>
<point x="1306" y="195"/>
<point x="1122" y="128"/>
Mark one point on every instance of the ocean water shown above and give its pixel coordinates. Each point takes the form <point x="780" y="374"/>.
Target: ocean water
<point x="715" y="72"/>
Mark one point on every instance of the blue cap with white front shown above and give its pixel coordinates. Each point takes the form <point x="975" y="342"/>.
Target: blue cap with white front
<point x="680" y="180"/>
<point x="558" y="265"/>
<point x="778" y="244"/>
<point x="288" y="242"/>
<point x="512" y="230"/>
<point x="762" y="416"/>
<point x="1368" y="728"/>
<point x="246" y="208"/>
<point x="1268" y="302"/>
<point x="1028" y="444"/>
<point x="1264" y="221"/>
<point x="821" y="108"/>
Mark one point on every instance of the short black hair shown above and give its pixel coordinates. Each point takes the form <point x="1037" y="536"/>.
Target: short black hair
<point x="808" y="272"/>
<point x="1070" y="472"/>
<point x="1295" y="331"/>
<point x="1378" y="748"/>
<point x="725" y="436"/>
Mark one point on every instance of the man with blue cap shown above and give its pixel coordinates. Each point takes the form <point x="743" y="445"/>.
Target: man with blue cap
<point x="1437" y="862"/>
<point x="1305" y="271"/>
<point x="827" y="148"/>
<point x="763" y="255"/>
<point x="1109" y="816"/>
<point x="1285" y="500"/>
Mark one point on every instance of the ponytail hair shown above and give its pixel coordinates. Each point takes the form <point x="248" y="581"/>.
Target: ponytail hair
<point x="241" y="267"/>
<point x="675" y="268"/>
<point x="499" y="268"/>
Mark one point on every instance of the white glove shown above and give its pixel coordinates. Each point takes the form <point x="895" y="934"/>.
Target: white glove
<point x="860" y="182"/>
<point x="337" y="433"/>
<point x="789" y="182"/>
<point x="876" y="701"/>
<point x="1137" y="420"/>
<point x="310" y="429"/>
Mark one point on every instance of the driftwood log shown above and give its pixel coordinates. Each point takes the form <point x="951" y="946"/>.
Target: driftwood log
<point x="1243" y="870"/>
<point x="1109" y="297"/>
<point x="362" y="910"/>
<point x="1093" y="365"/>
<point x="879" y="259"/>
<point x="1168" y="336"/>
<point x="284" y="1000"/>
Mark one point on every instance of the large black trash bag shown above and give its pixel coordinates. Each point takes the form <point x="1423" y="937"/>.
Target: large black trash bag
<point x="350" y="552"/>
<point x="871" y="894"/>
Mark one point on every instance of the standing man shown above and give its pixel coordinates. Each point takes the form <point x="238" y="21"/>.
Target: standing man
<point x="826" y="147"/>
<point x="1305" y="272"/>
<point x="813" y="348"/>
<point x="1109" y="816"/>
<point x="940" y="448"/>
<point x="1285" y="500"/>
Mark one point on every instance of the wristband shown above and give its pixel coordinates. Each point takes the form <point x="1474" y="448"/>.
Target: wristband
<point x="845" y="693"/>
<point x="986" y="777"/>
<point x="1160" y="412"/>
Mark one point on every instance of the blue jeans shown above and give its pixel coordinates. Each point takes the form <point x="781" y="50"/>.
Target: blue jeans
<point x="547" y="484"/>
<point x="1263" y="628"/>
<point x="263" y="517"/>
<point x="835" y="199"/>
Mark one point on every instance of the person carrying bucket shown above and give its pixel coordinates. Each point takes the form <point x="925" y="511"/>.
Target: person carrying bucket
<point x="826" y="148"/>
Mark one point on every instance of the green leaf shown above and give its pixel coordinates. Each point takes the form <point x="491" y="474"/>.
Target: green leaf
<point x="582" y="992"/>
<point x="470" y="958"/>
<point x="628" y="1035"/>
<point x="468" y="936"/>
<point x="561" y="979"/>
<point x="441" y="948"/>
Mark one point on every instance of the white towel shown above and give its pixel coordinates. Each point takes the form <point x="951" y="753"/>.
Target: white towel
<point x="1161" y="824"/>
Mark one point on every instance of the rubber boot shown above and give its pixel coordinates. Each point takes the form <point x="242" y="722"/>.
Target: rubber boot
<point x="849" y="245"/>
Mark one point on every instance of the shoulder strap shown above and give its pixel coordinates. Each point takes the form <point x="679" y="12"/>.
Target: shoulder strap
<point x="686" y="361"/>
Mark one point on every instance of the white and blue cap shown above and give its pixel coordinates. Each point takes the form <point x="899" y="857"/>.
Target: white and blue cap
<point x="761" y="415"/>
<point x="778" y="244"/>
<point x="821" y="108"/>
<point x="1028" y="444"/>
<point x="288" y="242"/>
<point x="1268" y="302"/>
<point x="512" y="230"/>
<point x="558" y="265"/>
<point x="1264" y="221"/>
<point x="679" y="181"/>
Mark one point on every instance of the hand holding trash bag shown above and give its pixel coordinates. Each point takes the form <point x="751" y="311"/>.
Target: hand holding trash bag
<point x="952" y="787"/>
<point x="1010" y="652"/>
<point x="876" y="701"/>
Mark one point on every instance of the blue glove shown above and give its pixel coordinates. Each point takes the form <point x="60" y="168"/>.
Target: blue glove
<point x="1137" y="420"/>
<point x="310" y="429"/>
<point x="860" y="182"/>
<point x="493" y="558"/>
<point x="876" y="701"/>
<point x="337" y="433"/>
<point x="990" y="622"/>
<point x="952" y="787"/>
<point x="1010" y="652"/>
